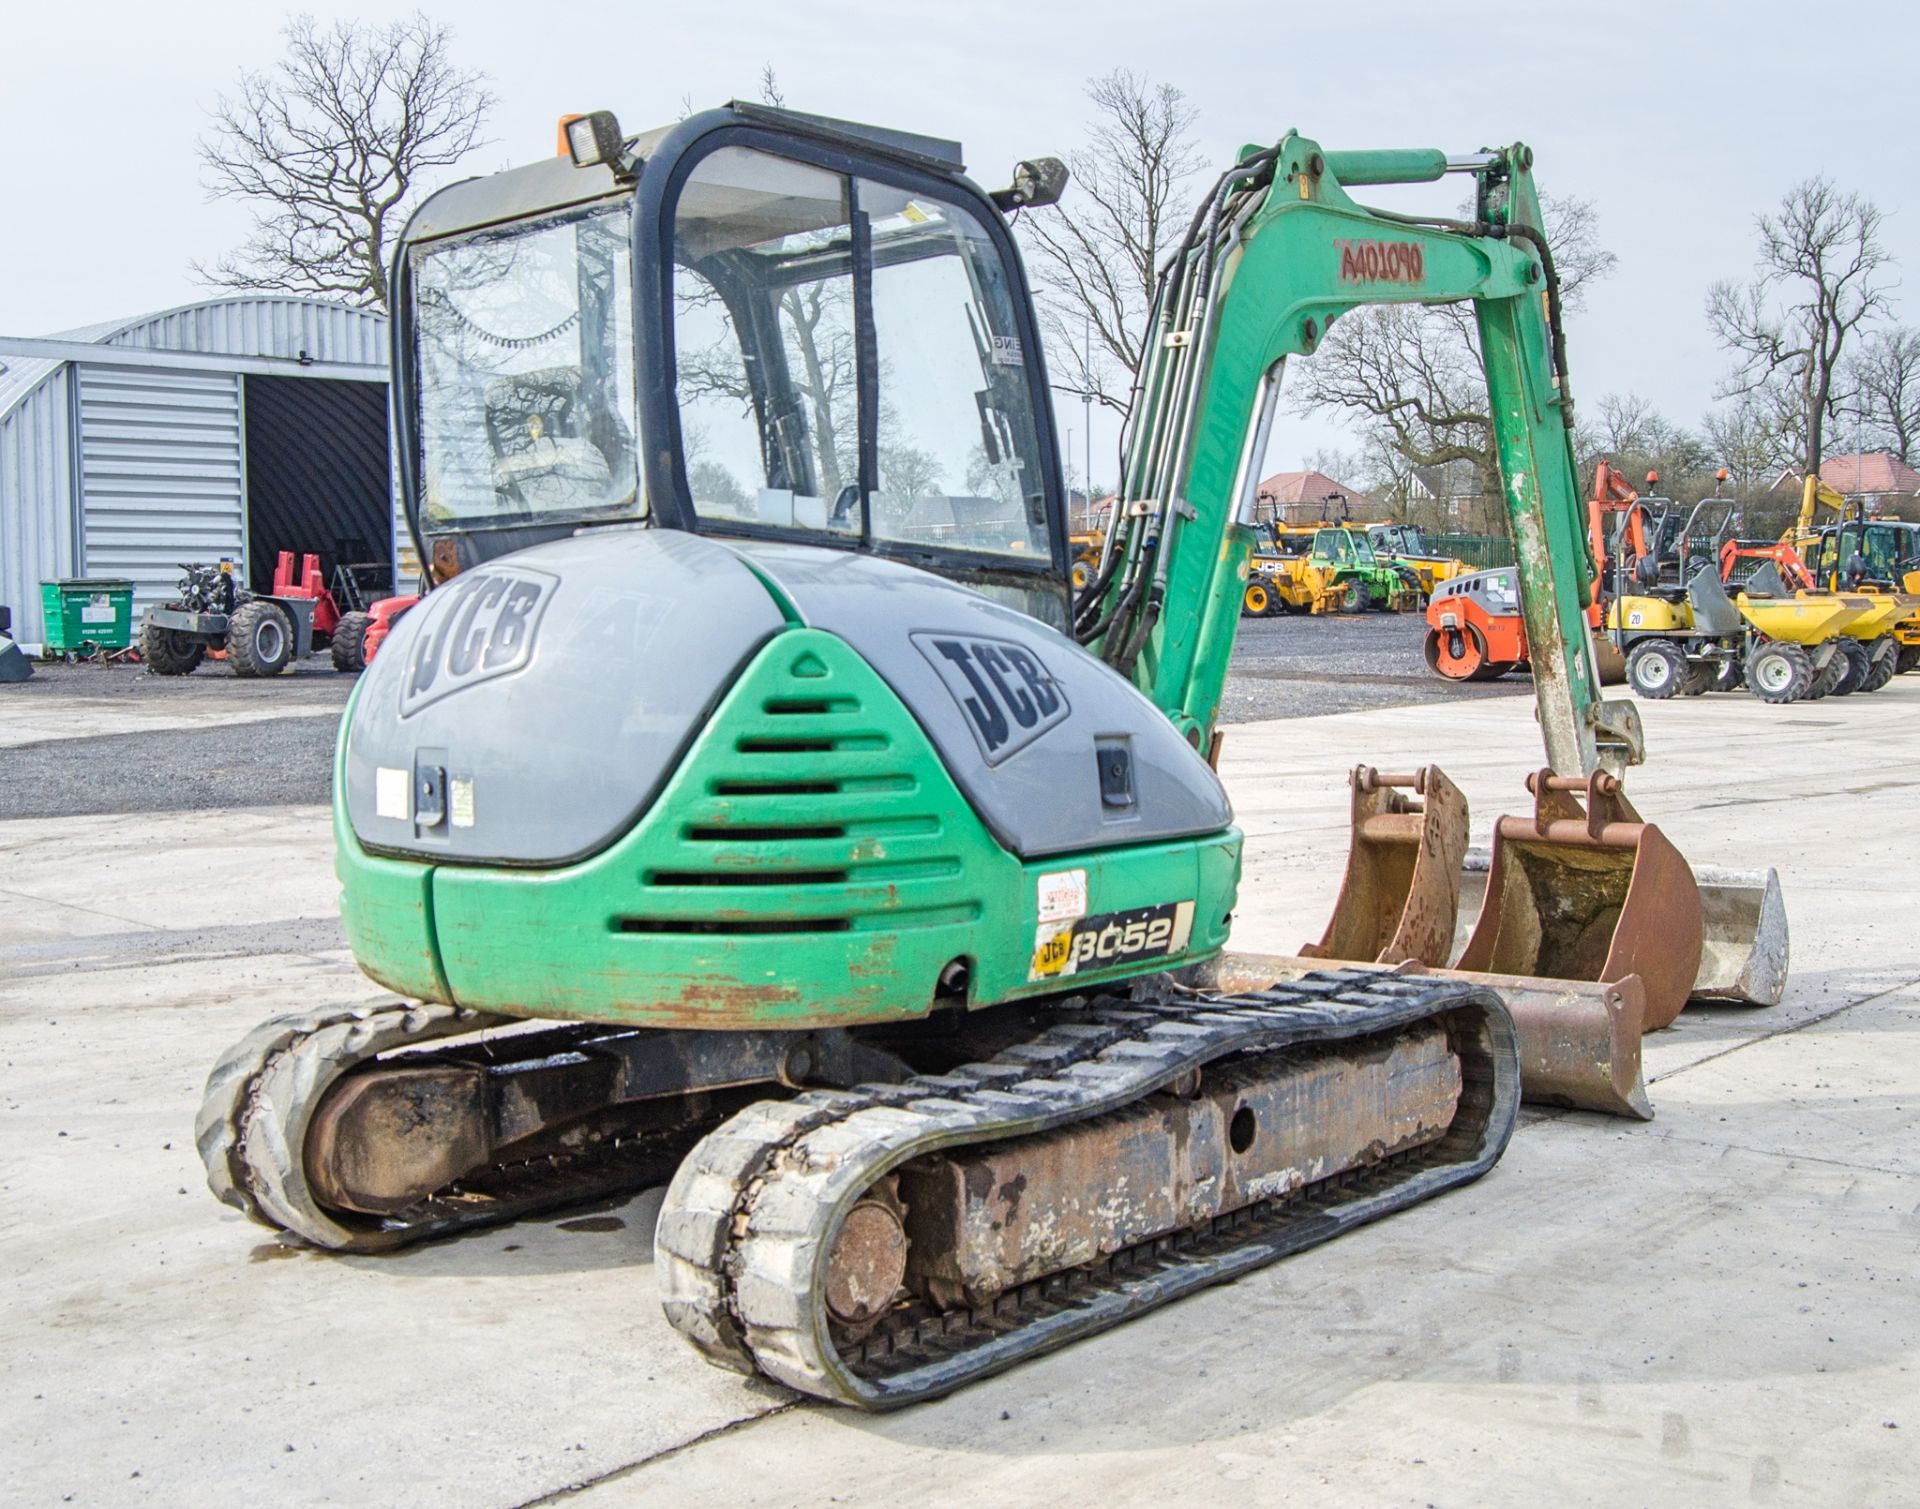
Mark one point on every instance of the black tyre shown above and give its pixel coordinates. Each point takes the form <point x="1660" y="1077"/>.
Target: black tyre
<point x="1827" y="677"/>
<point x="1779" y="672"/>
<point x="1258" y="600"/>
<point x="1354" y="597"/>
<point x="259" y="639"/>
<point x="1907" y="658"/>
<point x="1082" y="579"/>
<point x="1700" y="678"/>
<point x="1727" y="678"/>
<point x="1859" y="661"/>
<point x="349" y="646"/>
<point x="1657" y="669"/>
<point x="1885" y="657"/>
<point x="168" y="652"/>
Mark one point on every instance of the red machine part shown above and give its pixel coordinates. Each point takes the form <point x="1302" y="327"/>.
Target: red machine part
<point x="326" y="617"/>
<point x="381" y="618"/>
<point x="1783" y="555"/>
<point x="1472" y="638"/>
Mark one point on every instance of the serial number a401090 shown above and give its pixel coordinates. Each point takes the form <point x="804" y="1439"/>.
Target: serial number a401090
<point x="1110" y="939"/>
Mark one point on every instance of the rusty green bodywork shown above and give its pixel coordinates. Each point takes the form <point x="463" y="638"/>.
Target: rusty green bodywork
<point x="881" y="879"/>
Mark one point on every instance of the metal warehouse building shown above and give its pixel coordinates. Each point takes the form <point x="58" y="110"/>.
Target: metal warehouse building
<point x="237" y="427"/>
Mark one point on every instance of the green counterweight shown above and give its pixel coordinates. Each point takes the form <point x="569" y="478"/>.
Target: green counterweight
<point x="881" y="896"/>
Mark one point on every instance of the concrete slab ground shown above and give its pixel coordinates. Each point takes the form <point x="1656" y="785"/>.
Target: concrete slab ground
<point x="1720" y="1306"/>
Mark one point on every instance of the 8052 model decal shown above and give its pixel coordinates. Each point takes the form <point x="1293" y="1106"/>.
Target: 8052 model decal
<point x="1149" y="932"/>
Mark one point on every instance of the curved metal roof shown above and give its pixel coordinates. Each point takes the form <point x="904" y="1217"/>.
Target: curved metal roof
<point x="268" y="325"/>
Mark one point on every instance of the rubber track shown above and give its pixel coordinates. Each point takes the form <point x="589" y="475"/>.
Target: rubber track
<point x="261" y="1098"/>
<point x="748" y="1221"/>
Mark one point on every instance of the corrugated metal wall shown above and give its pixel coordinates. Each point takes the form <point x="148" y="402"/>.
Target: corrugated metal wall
<point x="184" y="498"/>
<point x="162" y="479"/>
<point x="36" y="502"/>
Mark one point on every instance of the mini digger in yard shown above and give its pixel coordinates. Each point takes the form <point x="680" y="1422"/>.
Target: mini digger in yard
<point x="736" y="810"/>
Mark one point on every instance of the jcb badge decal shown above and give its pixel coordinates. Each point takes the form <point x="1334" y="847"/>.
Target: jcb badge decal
<point x="1112" y="938"/>
<point x="480" y="627"/>
<point x="1009" y="697"/>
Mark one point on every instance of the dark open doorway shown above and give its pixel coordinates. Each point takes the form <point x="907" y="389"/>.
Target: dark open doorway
<point x="317" y="476"/>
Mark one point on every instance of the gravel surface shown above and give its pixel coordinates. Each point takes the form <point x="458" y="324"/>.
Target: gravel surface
<point x="212" y="687"/>
<point x="218" y="743"/>
<point x="1297" y="667"/>
<point x="233" y="751"/>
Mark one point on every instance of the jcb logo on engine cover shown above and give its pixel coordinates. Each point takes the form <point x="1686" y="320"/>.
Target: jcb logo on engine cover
<point x="480" y="627"/>
<point x="1009" y="697"/>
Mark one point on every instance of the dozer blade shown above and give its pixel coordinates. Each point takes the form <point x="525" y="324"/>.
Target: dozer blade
<point x="1579" y="1040"/>
<point x="1401" y="890"/>
<point x="1589" y="893"/>
<point x="1744" y="950"/>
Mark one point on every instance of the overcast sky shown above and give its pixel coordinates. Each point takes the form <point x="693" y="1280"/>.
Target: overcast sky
<point x="1678" y="119"/>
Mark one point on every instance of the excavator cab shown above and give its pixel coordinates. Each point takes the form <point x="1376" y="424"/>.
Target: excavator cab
<point x="754" y="325"/>
<point x="1862" y="553"/>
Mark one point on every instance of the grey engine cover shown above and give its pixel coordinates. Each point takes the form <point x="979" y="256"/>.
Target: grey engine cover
<point x="1038" y="790"/>
<point x="529" y="711"/>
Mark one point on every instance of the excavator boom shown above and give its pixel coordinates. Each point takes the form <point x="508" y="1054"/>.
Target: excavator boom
<point x="1582" y="890"/>
<point x="1279" y="251"/>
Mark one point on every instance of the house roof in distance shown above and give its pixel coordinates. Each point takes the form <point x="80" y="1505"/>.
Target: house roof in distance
<point x="1316" y="487"/>
<point x="1873" y="472"/>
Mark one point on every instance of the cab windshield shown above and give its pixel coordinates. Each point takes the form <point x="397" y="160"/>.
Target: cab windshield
<point x="524" y="370"/>
<point x="1345" y="546"/>
<point x="848" y="363"/>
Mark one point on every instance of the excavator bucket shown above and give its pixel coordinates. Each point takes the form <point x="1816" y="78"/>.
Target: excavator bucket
<point x="1744" y="957"/>
<point x="1400" y="895"/>
<point x="1744" y="947"/>
<point x="1608" y="660"/>
<point x="1589" y="893"/>
<point x="1398" y="906"/>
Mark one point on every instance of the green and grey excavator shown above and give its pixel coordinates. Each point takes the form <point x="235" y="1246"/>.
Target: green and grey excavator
<point x="753" y="801"/>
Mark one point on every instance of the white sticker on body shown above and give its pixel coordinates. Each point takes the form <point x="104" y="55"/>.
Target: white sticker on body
<point x="393" y="793"/>
<point x="1063" y="895"/>
<point x="460" y="802"/>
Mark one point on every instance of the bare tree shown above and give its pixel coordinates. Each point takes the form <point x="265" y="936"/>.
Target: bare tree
<point x="332" y="146"/>
<point x="1410" y="375"/>
<point x="1745" y="440"/>
<point x="1623" y="423"/>
<point x="1885" y="378"/>
<point x="1095" y="254"/>
<point x="1788" y="329"/>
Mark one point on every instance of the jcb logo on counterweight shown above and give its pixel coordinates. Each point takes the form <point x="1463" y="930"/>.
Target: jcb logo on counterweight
<point x="1009" y="697"/>
<point x="480" y="627"/>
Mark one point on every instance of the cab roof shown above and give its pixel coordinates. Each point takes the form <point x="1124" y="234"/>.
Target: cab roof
<point x="554" y="183"/>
